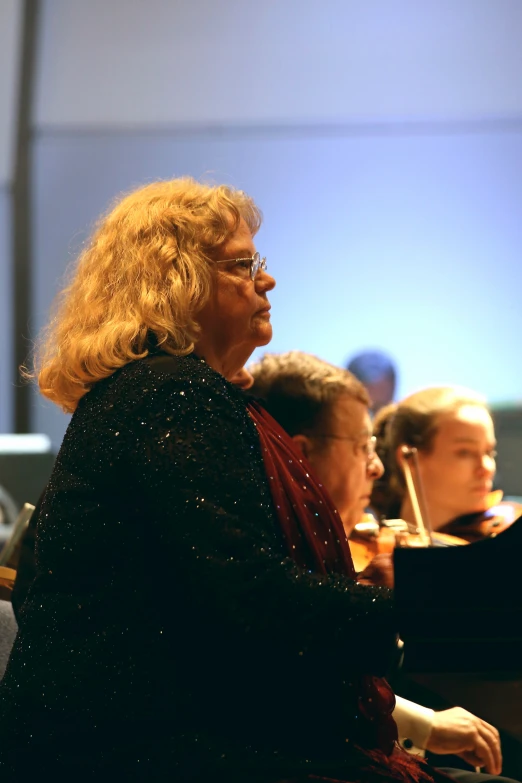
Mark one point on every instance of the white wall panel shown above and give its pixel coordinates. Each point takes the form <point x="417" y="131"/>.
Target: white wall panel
<point x="6" y="316"/>
<point x="10" y="19"/>
<point x="409" y="243"/>
<point x="153" y="62"/>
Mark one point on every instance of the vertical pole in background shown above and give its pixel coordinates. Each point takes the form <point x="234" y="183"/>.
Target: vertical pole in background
<point x="22" y="210"/>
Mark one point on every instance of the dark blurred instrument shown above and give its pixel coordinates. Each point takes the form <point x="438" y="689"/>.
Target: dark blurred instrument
<point x="471" y="599"/>
<point x="460" y="608"/>
<point x="498" y="515"/>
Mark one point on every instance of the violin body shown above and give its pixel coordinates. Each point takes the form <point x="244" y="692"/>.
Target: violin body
<point x="370" y="539"/>
<point x="367" y="540"/>
<point x="499" y="515"/>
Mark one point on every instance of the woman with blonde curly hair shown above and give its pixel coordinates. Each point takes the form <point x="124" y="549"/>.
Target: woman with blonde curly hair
<point x="149" y="259"/>
<point x="453" y="433"/>
<point x="195" y="614"/>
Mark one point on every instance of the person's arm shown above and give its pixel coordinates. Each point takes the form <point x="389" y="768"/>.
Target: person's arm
<point x="414" y="724"/>
<point x="196" y="458"/>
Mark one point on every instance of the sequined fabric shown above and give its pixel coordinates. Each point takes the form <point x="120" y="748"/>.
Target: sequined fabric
<point x="168" y="635"/>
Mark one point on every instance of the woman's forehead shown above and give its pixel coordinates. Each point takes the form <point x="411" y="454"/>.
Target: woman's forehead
<point x="471" y="421"/>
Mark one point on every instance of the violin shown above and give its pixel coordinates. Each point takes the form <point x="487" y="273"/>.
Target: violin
<point x="369" y="538"/>
<point x="498" y="515"/>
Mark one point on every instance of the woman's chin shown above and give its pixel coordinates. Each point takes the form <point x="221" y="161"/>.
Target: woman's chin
<point x="477" y="504"/>
<point x="264" y="335"/>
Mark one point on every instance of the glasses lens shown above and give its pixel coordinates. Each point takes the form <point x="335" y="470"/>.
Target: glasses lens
<point x="254" y="265"/>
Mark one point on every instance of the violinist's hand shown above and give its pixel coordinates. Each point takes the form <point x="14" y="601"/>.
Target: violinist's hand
<point x="458" y="732"/>
<point x="379" y="571"/>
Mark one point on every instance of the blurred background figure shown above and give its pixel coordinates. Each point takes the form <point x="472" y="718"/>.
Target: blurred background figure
<point x="377" y="372"/>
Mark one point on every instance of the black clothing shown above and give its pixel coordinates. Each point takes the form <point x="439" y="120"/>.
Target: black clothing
<point x="168" y="635"/>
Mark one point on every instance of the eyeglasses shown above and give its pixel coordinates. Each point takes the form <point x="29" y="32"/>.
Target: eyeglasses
<point x="252" y="266"/>
<point x="368" y="448"/>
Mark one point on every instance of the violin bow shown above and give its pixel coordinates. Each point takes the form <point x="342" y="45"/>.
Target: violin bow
<point x="422" y="519"/>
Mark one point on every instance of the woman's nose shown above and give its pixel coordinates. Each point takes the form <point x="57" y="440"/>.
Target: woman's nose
<point x="488" y="464"/>
<point x="264" y="281"/>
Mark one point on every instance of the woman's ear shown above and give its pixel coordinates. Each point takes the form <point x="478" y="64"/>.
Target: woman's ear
<point x="303" y="443"/>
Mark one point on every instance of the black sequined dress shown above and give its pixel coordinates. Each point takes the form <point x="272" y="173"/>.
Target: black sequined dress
<point x="168" y="635"/>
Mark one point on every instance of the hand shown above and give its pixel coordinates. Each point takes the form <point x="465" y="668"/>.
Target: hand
<point x="458" y="732"/>
<point x="379" y="571"/>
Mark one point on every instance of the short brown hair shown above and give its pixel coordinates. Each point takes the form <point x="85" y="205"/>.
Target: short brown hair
<point x="299" y="390"/>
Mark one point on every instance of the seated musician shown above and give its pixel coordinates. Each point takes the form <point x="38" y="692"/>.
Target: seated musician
<point x="453" y="434"/>
<point x="325" y="410"/>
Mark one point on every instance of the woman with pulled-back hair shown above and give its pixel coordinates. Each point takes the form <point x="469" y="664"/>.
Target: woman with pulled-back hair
<point x="453" y="432"/>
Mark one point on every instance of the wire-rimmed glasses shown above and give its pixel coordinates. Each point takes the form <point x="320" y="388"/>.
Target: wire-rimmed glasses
<point x="253" y="265"/>
<point x="368" y="448"/>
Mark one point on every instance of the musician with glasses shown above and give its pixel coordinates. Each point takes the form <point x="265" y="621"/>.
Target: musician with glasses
<point x="325" y="411"/>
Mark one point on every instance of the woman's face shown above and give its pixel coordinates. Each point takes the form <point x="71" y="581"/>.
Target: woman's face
<point x="457" y="473"/>
<point x="236" y="320"/>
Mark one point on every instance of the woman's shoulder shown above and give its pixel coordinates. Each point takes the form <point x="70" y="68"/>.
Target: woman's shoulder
<point x="162" y="394"/>
<point x="187" y="375"/>
<point x="165" y="365"/>
<point x="150" y="374"/>
<point x="151" y="381"/>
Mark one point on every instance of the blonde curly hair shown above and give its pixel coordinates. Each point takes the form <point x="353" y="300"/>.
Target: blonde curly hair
<point x="142" y="279"/>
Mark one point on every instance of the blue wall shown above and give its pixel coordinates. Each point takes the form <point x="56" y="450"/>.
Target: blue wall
<point x="405" y="240"/>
